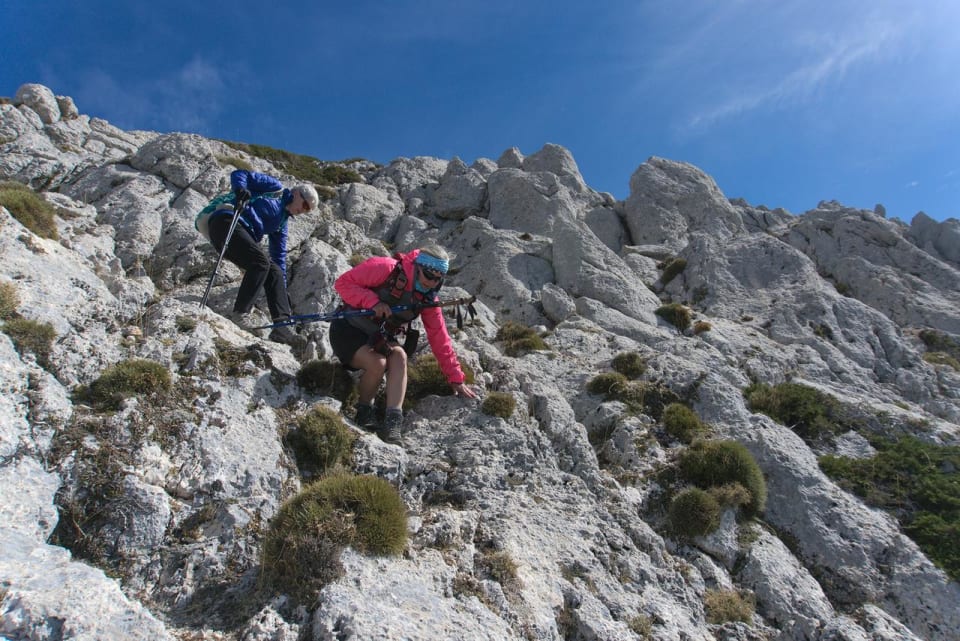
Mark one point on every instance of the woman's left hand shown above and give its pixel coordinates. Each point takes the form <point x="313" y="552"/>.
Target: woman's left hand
<point x="461" y="389"/>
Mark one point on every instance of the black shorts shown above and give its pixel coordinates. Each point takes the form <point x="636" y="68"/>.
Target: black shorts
<point x="345" y="339"/>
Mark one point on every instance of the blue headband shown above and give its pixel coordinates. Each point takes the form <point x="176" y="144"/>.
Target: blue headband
<point x="432" y="262"/>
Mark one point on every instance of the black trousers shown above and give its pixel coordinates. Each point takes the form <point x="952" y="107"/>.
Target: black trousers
<point x="258" y="270"/>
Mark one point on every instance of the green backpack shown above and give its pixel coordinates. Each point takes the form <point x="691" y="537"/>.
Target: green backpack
<point x="223" y="202"/>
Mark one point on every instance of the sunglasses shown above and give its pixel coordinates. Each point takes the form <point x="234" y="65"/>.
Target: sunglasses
<point x="432" y="275"/>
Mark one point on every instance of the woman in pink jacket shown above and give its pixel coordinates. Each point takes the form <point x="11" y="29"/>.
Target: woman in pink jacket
<point x="369" y="343"/>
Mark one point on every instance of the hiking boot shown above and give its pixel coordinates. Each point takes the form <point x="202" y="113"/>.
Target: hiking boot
<point x="248" y="321"/>
<point x="287" y="336"/>
<point x="365" y="416"/>
<point x="392" y="429"/>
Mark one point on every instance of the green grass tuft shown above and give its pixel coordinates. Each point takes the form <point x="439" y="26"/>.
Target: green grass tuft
<point x="676" y="314"/>
<point x="519" y="339"/>
<point x="693" y="512"/>
<point x="301" y="551"/>
<point x="33" y="212"/>
<point x="9" y="300"/>
<point x="322" y="442"/>
<point x="499" y="404"/>
<point x="723" y="606"/>
<point x="327" y="378"/>
<point x="33" y="337"/>
<point x="425" y="378"/>
<point x="128" y="378"/>
<point x="682" y="423"/>
<point x="709" y="464"/>
<point x="810" y="413"/>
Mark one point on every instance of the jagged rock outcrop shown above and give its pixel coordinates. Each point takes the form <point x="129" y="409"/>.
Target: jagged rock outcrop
<point x="568" y="492"/>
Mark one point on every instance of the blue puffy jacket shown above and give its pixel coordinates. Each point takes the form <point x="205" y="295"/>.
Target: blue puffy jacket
<point x="266" y="213"/>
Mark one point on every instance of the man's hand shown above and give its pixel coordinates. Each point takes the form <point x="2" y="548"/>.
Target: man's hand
<point x="242" y="194"/>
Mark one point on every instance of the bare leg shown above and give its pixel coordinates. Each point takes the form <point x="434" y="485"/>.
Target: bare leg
<point x="373" y="366"/>
<point x="396" y="378"/>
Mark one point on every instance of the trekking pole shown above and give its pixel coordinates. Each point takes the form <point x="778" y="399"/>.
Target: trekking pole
<point x="353" y="313"/>
<point x="238" y="207"/>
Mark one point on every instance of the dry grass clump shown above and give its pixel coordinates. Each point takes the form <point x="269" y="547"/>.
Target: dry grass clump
<point x="499" y="404"/>
<point x="630" y="364"/>
<point x="519" y="339"/>
<point x="676" y="314"/>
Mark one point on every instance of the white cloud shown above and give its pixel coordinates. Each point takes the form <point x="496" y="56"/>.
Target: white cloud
<point x="828" y="60"/>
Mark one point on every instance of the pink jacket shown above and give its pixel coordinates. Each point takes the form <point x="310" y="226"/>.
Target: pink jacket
<point x="356" y="288"/>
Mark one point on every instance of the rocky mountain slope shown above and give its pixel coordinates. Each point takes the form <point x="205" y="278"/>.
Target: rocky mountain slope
<point x="146" y="519"/>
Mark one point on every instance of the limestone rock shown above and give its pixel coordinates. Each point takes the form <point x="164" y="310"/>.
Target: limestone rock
<point x="544" y="524"/>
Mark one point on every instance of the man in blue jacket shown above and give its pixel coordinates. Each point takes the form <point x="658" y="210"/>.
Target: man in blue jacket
<point x="269" y="205"/>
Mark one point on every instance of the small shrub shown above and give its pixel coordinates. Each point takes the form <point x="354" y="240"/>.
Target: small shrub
<point x="694" y="512"/>
<point x="301" y="551"/>
<point x="125" y="379"/>
<point x="808" y="412"/>
<point x="519" y="339"/>
<point x="9" y="300"/>
<point x="322" y="441"/>
<point x="608" y="383"/>
<point x="673" y="269"/>
<point x="723" y="606"/>
<point x="709" y="464"/>
<point x="676" y="314"/>
<point x="919" y="483"/>
<point x="326" y="377"/>
<point x="30" y="336"/>
<point x="682" y="423"/>
<point x="425" y="378"/>
<point x="33" y="212"/>
<point x="701" y="326"/>
<point x="630" y="364"/>
<point x="499" y="404"/>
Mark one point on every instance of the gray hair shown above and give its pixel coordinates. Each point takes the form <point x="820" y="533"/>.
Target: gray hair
<point x="309" y="194"/>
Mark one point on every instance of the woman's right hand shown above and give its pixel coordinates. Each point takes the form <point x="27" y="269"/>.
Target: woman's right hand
<point x="381" y="310"/>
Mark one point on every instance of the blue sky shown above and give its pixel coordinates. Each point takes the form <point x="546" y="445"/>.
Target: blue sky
<point x="784" y="103"/>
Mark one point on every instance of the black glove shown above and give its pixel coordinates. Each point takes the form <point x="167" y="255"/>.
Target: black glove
<point x="242" y="194"/>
